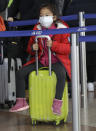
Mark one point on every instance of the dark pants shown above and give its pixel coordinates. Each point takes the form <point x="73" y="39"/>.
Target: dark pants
<point x="21" y="75"/>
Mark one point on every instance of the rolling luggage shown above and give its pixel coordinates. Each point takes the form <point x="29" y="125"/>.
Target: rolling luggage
<point x="7" y="78"/>
<point x="7" y="74"/>
<point x="3" y="82"/>
<point x="3" y="76"/>
<point x="15" y="64"/>
<point x="7" y="85"/>
<point x="18" y="63"/>
<point x="8" y="81"/>
<point x="11" y="83"/>
<point x="41" y="95"/>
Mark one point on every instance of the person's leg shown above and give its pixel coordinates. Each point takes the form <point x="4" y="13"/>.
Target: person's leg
<point x="60" y="72"/>
<point x="20" y="80"/>
<point x="21" y="103"/>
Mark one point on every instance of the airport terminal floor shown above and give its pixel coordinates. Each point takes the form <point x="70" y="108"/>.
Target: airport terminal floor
<point x="21" y="121"/>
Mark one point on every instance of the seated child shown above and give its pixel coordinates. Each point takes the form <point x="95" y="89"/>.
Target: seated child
<point x="60" y="48"/>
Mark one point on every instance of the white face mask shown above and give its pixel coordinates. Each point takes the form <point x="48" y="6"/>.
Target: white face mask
<point x="46" y="21"/>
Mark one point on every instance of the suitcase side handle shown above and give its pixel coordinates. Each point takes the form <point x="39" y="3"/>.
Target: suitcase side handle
<point x="49" y="52"/>
<point x="1" y="52"/>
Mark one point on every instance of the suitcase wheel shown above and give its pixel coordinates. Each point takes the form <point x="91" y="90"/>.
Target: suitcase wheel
<point x="10" y="104"/>
<point x="54" y="123"/>
<point x="57" y="122"/>
<point x="2" y="106"/>
<point x="34" y="122"/>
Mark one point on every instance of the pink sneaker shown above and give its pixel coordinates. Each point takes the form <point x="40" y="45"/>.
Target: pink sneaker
<point x="56" y="107"/>
<point x="20" y="105"/>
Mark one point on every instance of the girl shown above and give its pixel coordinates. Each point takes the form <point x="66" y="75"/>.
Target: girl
<point x="60" y="48"/>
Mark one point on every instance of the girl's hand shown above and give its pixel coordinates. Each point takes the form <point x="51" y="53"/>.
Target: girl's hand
<point x="35" y="46"/>
<point x="10" y="19"/>
<point x="49" y="43"/>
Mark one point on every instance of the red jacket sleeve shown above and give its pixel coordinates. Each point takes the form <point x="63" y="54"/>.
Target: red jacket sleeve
<point x="61" y="44"/>
<point x="30" y="43"/>
<point x="29" y="47"/>
<point x="2" y="25"/>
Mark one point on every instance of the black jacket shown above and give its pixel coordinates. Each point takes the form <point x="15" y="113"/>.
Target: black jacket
<point x="28" y="8"/>
<point x="3" y="4"/>
<point x="88" y="6"/>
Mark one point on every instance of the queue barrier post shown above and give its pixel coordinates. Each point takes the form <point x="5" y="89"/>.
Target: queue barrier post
<point x="75" y="82"/>
<point x="83" y="72"/>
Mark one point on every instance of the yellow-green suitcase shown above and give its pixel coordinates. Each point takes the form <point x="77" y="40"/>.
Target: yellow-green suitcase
<point x="41" y="94"/>
<point x="42" y="89"/>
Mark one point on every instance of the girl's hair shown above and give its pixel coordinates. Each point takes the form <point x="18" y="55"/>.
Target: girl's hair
<point x="52" y="7"/>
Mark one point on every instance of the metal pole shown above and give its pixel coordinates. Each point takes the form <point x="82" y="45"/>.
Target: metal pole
<point x="49" y="52"/>
<point x="36" y="58"/>
<point x="83" y="64"/>
<point x="49" y="61"/>
<point x="4" y="14"/>
<point x="75" y="82"/>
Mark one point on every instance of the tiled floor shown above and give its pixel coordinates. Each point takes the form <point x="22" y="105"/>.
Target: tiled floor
<point x="22" y="122"/>
<point x="88" y="116"/>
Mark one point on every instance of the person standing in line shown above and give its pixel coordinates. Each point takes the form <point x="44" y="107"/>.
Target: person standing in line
<point x="3" y="5"/>
<point x="59" y="4"/>
<point x="87" y="6"/>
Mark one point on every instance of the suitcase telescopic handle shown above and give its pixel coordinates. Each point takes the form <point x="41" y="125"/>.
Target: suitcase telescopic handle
<point x="49" y="52"/>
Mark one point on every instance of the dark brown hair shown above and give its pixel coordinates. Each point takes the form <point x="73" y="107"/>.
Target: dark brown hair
<point x="52" y="7"/>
